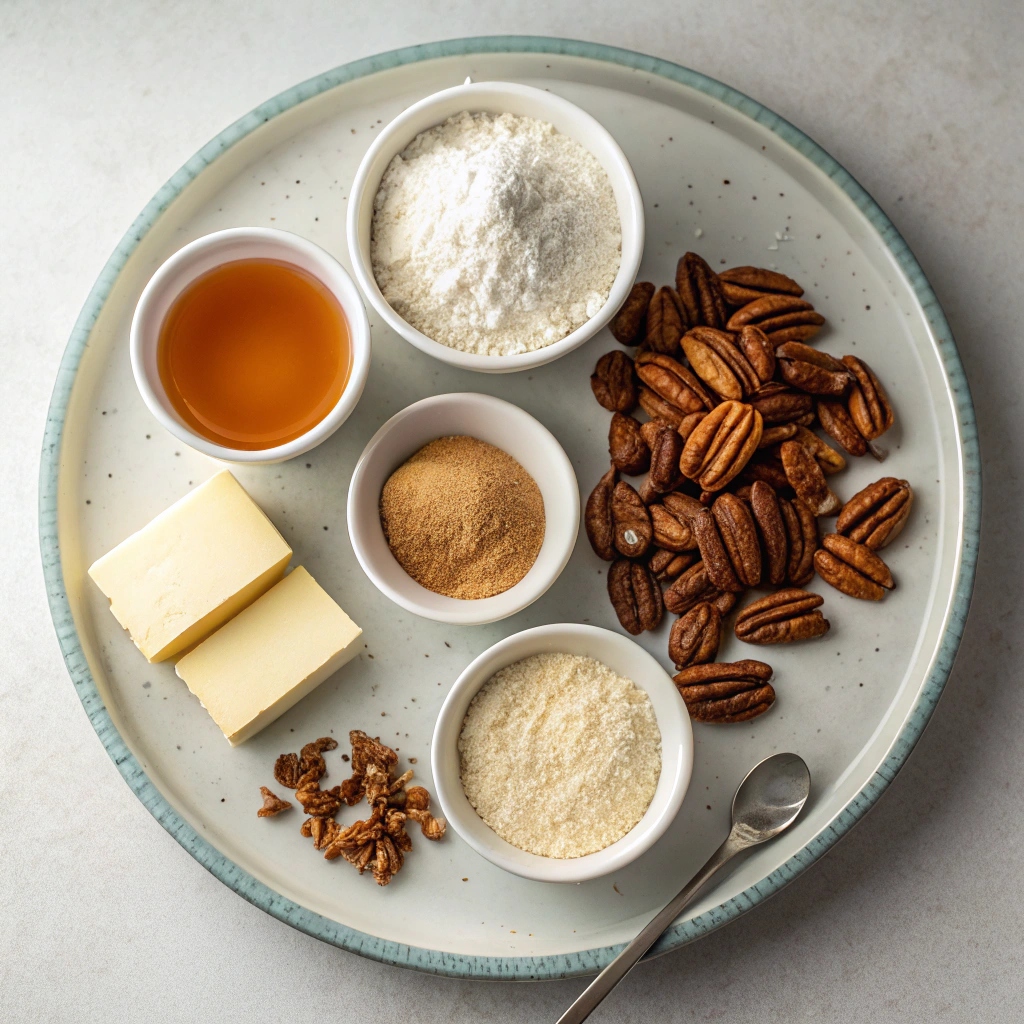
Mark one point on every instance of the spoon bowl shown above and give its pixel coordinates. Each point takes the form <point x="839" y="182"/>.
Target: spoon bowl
<point x="770" y="797"/>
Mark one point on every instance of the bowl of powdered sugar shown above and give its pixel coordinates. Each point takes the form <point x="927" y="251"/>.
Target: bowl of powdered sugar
<point x="562" y="753"/>
<point x="495" y="226"/>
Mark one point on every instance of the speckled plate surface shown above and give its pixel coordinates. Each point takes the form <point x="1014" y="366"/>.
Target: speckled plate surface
<point x="718" y="173"/>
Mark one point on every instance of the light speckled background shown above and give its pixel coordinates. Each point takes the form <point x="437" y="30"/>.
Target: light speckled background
<point x="104" y="917"/>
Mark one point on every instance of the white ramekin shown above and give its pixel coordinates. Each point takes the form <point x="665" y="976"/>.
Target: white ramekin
<point x="495" y="98"/>
<point x="618" y="653"/>
<point x="502" y="424"/>
<point x="212" y="251"/>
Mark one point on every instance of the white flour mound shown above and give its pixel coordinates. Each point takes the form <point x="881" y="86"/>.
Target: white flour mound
<point x="495" y="234"/>
<point x="560" y="755"/>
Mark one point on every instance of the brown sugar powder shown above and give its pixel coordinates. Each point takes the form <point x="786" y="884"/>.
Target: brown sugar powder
<point x="463" y="518"/>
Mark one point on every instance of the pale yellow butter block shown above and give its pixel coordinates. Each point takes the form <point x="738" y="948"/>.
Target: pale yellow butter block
<point x="192" y="568"/>
<point x="269" y="656"/>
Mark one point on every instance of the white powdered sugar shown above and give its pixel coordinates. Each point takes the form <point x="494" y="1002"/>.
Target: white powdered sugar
<point x="495" y="234"/>
<point x="560" y="755"/>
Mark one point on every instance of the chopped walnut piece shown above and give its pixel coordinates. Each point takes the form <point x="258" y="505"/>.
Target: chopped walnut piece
<point x="365" y="751"/>
<point x="417" y="798"/>
<point x="388" y="861"/>
<point x="432" y="828"/>
<point x="376" y="784"/>
<point x="272" y="804"/>
<point x="320" y="803"/>
<point x="287" y="770"/>
<point x="394" y="826"/>
<point x="323" y="832"/>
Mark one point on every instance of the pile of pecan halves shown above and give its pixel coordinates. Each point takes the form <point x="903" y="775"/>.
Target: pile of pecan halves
<point x="380" y="841"/>
<point x="736" y="477"/>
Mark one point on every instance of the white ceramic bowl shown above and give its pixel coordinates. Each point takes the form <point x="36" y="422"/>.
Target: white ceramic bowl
<point x="618" y="653"/>
<point x="496" y="98"/>
<point x="505" y="426"/>
<point x="203" y="255"/>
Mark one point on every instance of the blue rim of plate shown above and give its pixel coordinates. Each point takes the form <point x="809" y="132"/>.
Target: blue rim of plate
<point x="431" y="961"/>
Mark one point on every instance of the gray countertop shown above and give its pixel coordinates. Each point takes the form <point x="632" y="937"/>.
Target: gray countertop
<point x="916" y="915"/>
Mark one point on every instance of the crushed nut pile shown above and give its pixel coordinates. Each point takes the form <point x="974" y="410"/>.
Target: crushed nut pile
<point x="378" y="842"/>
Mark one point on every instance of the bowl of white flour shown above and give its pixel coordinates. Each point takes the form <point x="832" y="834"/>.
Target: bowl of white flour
<point x="495" y="226"/>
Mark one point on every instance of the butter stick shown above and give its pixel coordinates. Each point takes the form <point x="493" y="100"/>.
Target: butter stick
<point x="267" y="658"/>
<point x="192" y="568"/>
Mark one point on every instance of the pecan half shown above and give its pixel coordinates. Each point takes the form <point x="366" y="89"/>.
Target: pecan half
<point x="778" y="403"/>
<point x="658" y="409"/>
<point x="626" y="445"/>
<point x="838" y="424"/>
<point x="764" y="506"/>
<point x="631" y="521"/>
<point x="666" y="446"/>
<point x="758" y="349"/>
<point x="648" y="495"/>
<point x="721" y="445"/>
<point x="868" y="403"/>
<point x="690" y="589"/>
<point x="806" y="478"/>
<point x="695" y="636"/>
<point x="700" y="294"/>
<point x="802" y="539"/>
<point x="681" y="505"/>
<point x="852" y="568"/>
<point x="809" y="370"/>
<point x="672" y="530"/>
<point x="739" y="537"/>
<point x="719" y="363"/>
<point x="667" y="565"/>
<point x="726" y="692"/>
<point x="782" y="317"/>
<point x="741" y="285"/>
<point x="614" y="383"/>
<point x="273" y="805"/>
<point x="766" y="467"/>
<point x="597" y="517"/>
<point x="673" y="382"/>
<point x="714" y="557"/>
<point x="635" y="595"/>
<point x="665" y="324"/>
<point x="688" y="424"/>
<point x="782" y="618"/>
<point x="875" y="515"/>
<point x="628" y="324"/>
<point x="775" y="435"/>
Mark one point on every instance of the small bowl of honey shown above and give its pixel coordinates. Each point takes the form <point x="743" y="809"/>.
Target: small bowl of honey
<point x="251" y="345"/>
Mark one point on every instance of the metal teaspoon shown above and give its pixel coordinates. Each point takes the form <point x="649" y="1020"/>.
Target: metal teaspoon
<point x="766" y="803"/>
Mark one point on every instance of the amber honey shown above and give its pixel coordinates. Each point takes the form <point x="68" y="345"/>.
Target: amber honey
<point x="254" y="353"/>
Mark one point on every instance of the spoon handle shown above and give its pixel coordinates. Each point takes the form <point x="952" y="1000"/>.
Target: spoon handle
<point x="592" y="995"/>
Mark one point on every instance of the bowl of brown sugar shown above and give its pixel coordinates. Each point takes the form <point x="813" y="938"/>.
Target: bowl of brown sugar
<point x="463" y="508"/>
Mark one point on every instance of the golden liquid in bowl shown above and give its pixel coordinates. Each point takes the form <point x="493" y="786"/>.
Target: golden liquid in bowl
<point x="254" y="353"/>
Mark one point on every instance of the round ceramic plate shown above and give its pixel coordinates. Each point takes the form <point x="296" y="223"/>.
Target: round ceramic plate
<point x="719" y="174"/>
